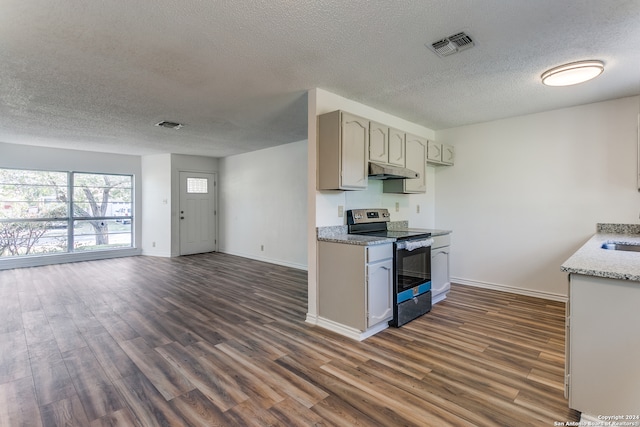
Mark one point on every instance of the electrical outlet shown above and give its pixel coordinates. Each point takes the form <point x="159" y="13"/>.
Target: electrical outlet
<point x="340" y="211"/>
<point x="417" y="208"/>
<point x="153" y="244"/>
<point x="262" y="248"/>
<point x="397" y="206"/>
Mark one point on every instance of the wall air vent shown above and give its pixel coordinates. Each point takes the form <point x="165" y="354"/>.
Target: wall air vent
<point x="452" y="44"/>
<point x="169" y="125"/>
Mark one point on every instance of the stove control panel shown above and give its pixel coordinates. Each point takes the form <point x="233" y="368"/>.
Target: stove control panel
<point x="364" y="216"/>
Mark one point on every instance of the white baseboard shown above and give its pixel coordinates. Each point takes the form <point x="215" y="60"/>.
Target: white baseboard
<point x="159" y="254"/>
<point x="440" y="297"/>
<point x="311" y="318"/>
<point x="343" y="330"/>
<point x="243" y="255"/>
<point x="265" y="259"/>
<point x="511" y="289"/>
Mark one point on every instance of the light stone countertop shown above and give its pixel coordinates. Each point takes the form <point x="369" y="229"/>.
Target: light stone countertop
<point x="592" y="260"/>
<point x="339" y="234"/>
<point x="354" y="239"/>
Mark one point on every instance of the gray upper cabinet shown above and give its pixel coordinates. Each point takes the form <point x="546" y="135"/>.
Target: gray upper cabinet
<point x="434" y="152"/>
<point x="416" y="149"/>
<point x="448" y="154"/>
<point x="343" y="144"/>
<point x="416" y="156"/>
<point x="396" y="147"/>
<point x="378" y="143"/>
<point x="440" y="154"/>
<point x="386" y="145"/>
<point x="346" y="144"/>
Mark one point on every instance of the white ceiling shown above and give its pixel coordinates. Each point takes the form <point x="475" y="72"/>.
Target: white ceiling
<point x="97" y="75"/>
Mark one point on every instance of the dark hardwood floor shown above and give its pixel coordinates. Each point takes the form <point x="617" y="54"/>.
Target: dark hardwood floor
<point x="214" y="339"/>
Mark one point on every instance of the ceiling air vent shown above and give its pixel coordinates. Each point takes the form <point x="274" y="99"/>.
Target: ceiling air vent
<point x="452" y="44"/>
<point x="169" y="125"/>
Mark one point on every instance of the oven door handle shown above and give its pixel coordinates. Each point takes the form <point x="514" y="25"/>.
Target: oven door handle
<point x="410" y="245"/>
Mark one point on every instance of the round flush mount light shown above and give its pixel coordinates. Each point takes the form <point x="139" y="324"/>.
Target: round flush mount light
<point x="573" y="73"/>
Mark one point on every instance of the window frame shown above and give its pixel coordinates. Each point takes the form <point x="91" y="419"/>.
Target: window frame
<point x="71" y="219"/>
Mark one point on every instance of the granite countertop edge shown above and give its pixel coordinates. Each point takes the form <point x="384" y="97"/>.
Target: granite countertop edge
<point x="350" y="239"/>
<point x="592" y="260"/>
<point x="339" y="234"/>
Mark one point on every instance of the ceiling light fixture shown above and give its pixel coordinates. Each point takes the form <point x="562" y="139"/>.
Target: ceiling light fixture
<point x="573" y="73"/>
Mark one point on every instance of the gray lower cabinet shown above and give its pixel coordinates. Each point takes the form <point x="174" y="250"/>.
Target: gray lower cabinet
<point x="440" y="279"/>
<point x="603" y="347"/>
<point x="355" y="284"/>
<point x="379" y="288"/>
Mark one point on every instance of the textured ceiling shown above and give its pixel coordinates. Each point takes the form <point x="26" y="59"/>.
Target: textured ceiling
<point x="99" y="75"/>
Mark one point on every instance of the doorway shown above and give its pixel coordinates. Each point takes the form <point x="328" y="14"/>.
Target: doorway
<point x="197" y="213"/>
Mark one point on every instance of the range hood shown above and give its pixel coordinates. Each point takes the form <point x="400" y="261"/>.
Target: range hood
<point x="385" y="171"/>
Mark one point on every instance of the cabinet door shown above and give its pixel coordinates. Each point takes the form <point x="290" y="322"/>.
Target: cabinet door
<point x="439" y="270"/>
<point x="379" y="292"/>
<point x="416" y="156"/>
<point x="355" y="142"/>
<point x="448" y="154"/>
<point x="378" y="143"/>
<point x="434" y="152"/>
<point x="603" y="359"/>
<point x="396" y="147"/>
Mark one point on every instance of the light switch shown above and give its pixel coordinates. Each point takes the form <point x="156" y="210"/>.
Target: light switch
<point x="417" y="208"/>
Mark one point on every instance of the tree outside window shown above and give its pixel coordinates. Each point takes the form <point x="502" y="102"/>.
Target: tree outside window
<point x="45" y="212"/>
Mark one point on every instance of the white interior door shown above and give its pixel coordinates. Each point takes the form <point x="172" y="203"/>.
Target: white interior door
<point x="197" y="213"/>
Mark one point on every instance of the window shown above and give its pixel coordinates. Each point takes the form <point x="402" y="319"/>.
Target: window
<point x="197" y="185"/>
<point x="44" y="212"/>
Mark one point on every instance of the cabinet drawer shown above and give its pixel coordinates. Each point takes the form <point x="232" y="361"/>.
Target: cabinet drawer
<point x="379" y="252"/>
<point x="441" y="241"/>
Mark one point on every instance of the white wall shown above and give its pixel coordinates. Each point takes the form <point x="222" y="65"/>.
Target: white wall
<point x="263" y="202"/>
<point x="323" y="205"/>
<point x="41" y="158"/>
<point x="526" y="192"/>
<point x="156" y="205"/>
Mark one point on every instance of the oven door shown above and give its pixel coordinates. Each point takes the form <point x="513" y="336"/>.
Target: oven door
<point x="412" y="269"/>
